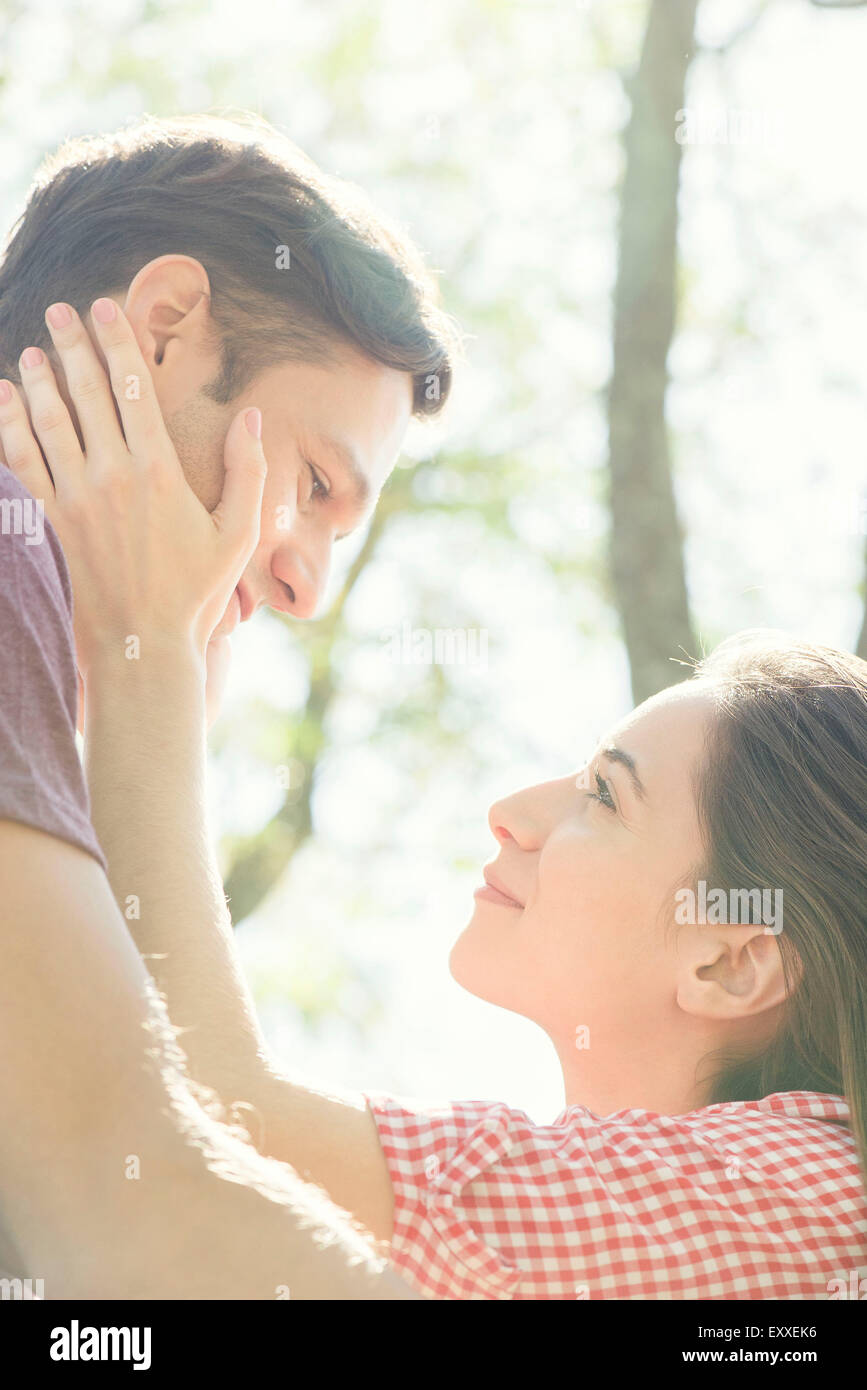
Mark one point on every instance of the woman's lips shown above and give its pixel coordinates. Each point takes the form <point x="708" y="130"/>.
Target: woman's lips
<point x="492" y="893"/>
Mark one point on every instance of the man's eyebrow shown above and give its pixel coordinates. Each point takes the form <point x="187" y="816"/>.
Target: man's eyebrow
<point x="617" y="755"/>
<point x="358" y="477"/>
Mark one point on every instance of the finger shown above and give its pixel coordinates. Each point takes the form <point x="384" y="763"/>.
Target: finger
<point x="86" y="380"/>
<point x="146" y="435"/>
<point x="49" y="418"/>
<point x="20" y="448"/>
<point x="238" y="512"/>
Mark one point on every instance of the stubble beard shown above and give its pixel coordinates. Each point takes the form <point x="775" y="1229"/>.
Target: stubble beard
<point x="198" y="431"/>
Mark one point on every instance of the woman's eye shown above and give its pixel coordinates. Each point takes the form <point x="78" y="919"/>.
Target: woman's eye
<point x="602" y="793"/>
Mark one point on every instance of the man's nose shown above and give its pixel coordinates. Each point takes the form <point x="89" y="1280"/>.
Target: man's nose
<point x="301" y="580"/>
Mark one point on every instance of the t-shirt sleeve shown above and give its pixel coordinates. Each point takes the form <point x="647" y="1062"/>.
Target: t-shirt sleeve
<point x="454" y="1196"/>
<point x="755" y="1199"/>
<point x="41" y="779"/>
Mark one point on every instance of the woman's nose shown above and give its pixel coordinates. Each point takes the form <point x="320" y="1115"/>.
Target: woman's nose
<point x="510" y="822"/>
<point x="528" y="816"/>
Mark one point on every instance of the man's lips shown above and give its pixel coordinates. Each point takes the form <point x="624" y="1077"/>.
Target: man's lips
<point x="240" y="607"/>
<point x="246" y="600"/>
<point x="495" y="892"/>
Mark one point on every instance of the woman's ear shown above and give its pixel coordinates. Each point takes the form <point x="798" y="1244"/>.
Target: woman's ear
<point x="729" y="972"/>
<point x="168" y="304"/>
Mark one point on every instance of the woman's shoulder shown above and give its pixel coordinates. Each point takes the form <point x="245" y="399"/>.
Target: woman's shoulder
<point x="799" y="1105"/>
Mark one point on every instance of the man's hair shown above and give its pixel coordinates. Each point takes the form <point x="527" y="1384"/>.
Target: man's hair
<point x="230" y="194"/>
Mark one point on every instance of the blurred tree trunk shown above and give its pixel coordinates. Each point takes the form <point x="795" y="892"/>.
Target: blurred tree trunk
<point x="647" y="561"/>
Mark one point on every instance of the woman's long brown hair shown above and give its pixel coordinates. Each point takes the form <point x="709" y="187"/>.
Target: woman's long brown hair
<point x="782" y="797"/>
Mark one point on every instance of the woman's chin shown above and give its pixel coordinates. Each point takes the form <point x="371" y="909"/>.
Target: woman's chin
<point x="469" y="961"/>
<point x="458" y="960"/>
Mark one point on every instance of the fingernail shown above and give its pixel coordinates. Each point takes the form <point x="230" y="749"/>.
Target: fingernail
<point x="104" y="310"/>
<point x="253" y="420"/>
<point x="59" y="315"/>
<point x="5" y="392"/>
<point x="32" y="357"/>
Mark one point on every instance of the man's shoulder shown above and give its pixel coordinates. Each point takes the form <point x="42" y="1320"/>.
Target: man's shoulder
<point x="41" y="779"/>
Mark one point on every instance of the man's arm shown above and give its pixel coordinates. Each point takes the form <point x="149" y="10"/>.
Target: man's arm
<point x="101" y="1133"/>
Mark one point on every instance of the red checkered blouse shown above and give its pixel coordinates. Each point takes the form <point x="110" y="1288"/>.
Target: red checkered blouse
<point x="759" y="1199"/>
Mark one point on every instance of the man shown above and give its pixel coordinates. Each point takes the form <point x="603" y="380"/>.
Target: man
<point x="235" y="263"/>
<point x="240" y="262"/>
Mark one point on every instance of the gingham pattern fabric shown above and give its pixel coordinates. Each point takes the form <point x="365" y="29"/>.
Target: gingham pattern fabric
<point x="754" y="1200"/>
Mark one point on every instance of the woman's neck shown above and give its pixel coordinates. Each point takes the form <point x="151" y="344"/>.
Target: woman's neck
<point x="642" y="1077"/>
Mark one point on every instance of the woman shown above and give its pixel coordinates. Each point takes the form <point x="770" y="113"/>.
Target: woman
<point x="685" y="919"/>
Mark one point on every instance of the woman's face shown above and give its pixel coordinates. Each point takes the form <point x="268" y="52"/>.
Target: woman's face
<point x="587" y="868"/>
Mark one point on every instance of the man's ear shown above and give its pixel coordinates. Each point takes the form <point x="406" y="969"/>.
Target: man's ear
<point x="728" y="972"/>
<point x="168" y="304"/>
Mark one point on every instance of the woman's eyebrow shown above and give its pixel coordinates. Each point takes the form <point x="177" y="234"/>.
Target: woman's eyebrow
<point x="617" y="755"/>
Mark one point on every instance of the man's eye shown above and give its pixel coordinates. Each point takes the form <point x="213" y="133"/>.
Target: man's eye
<point x="319" y="488"/>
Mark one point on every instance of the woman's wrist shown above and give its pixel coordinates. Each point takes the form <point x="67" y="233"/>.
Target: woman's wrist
<point x="143" y="656"/>
<point x="143" y="677"/>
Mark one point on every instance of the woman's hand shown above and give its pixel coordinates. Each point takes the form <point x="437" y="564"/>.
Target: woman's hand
<point x="147" y="560"/>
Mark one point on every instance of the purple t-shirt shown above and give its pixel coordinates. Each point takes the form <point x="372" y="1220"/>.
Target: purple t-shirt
<point x="41" y="779"/>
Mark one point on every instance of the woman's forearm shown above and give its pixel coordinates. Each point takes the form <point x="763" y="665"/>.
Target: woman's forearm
<point x="146" y="759"/>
